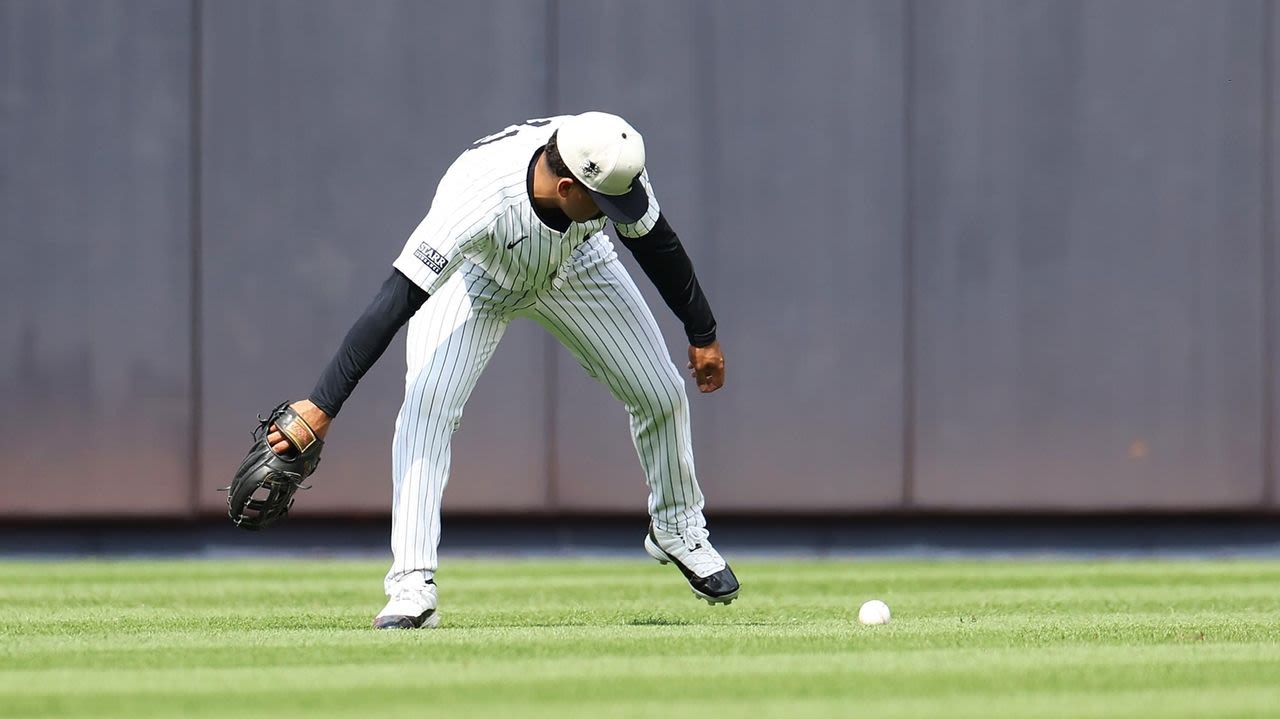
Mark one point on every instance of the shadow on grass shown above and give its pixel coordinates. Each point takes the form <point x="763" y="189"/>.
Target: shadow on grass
<point x="644" y="620"/>
<point x="654" y="620"/>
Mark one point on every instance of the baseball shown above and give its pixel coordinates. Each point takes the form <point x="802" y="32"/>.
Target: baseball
<point x="874" y="612"/>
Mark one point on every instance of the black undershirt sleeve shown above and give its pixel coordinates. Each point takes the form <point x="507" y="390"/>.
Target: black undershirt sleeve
<point x="368" y="338"/>
<point x="668" y="266"/>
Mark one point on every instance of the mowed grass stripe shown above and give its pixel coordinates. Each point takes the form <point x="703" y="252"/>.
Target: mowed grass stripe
<point x="1186" y="703"/>
<point x="535" y="629"/>
<point x="602" y="685"/>
<point x="1183" y="703"/>
<point x="603" y="644"/>
<point x="1100" y="664"/>
<point x="579" y="638"/>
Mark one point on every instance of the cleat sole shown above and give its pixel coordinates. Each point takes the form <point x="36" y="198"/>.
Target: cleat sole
<point x="712" y="601"/>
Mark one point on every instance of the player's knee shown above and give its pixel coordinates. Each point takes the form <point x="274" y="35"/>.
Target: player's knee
<point x="443" y="419"/>
<point x="431" y="417"/>
<point x="667" y="399"/>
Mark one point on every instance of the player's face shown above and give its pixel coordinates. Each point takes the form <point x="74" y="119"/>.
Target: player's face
<point x="576" y="202"/>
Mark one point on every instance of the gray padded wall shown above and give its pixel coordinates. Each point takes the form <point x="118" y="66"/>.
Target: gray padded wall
<point x="1044" y="229"/>
<point x="326" y="128"/>
<point x="805" y="275"/>
<point x="1087" y="206"/>
<point x="1271" y="235"/>
<point x="806" y="130"/>
<point x="95" y="336"/>
<point x="596" y="463"/>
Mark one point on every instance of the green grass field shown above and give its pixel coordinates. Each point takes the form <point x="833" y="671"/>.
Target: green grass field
<point x="553" y="638"/>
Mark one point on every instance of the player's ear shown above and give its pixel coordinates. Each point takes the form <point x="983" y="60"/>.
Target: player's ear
<point x="564" y="186"/>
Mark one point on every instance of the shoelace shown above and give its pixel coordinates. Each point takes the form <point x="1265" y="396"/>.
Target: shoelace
<point x="702" y="558"/>
<point x="694" y="537"/>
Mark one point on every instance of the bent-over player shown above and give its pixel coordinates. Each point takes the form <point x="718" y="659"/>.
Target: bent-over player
<point x="516" y="230"/>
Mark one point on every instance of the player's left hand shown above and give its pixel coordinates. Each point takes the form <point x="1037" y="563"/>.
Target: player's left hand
<point x="315" y="418"/>
<point x="707" y="365"/>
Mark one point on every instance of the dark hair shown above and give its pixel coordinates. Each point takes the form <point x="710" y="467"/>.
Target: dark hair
<point x="554" y="161"/>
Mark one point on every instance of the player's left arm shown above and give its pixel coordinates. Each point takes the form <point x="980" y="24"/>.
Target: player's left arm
<point x="664" y="261"/>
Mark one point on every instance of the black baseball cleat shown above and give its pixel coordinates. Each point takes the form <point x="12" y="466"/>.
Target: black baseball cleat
<point x="410" y="609"/>
<point x="709" y="576"/>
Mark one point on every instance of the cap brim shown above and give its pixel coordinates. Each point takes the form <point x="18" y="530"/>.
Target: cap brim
<point x="624" y="209"/>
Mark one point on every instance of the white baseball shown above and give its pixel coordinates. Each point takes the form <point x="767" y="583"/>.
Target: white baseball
<point x="874" y="612"/>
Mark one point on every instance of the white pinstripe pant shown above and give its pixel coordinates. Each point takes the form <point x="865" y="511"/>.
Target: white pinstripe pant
<point x="597" y="312"/>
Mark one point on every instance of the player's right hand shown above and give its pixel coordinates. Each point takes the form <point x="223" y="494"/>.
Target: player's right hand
<point x="314" y="416"/>
<point x="707" y="367"/>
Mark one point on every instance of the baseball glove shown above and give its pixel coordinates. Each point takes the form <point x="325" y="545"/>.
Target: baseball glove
<point x="262" y="491"/>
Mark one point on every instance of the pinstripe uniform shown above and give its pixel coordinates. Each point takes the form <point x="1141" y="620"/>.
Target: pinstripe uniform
<point x="486" y="258"/>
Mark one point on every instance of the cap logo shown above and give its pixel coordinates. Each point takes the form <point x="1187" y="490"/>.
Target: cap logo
<point x="590" y="170"/>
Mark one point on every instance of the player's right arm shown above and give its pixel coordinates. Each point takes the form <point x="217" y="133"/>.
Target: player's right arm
<point x="430" y="256"/>
<point x="660" y="254"/>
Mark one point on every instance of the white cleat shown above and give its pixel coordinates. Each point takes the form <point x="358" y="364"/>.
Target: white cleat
<point x="709" y="576"/>
<point x="410" y="609"/>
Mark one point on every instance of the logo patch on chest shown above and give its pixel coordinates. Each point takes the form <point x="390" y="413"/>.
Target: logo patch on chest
<point x="435" y="261"/>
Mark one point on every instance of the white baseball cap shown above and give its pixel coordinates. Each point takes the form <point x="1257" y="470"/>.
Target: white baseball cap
<point x="606" y="155"/>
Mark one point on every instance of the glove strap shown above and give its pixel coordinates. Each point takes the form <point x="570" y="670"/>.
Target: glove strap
<point x="296" y="430"/>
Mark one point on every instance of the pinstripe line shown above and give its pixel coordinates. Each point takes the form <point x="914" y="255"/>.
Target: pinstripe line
<point x="601" y="317"/>
<point x="661" y="359"/>
<point x="439" y="429"/>
<point x="563" y="325"/>
<point x="410" y="478"/>
<point x="575" y="335"/>
<point x="430" y="350"/>
<point x="405" y="529"/>
<point x="446" y="306"/>
<point x="448" y="357"/>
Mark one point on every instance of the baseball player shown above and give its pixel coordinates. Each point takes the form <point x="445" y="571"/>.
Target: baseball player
<point x="516" y="229"/>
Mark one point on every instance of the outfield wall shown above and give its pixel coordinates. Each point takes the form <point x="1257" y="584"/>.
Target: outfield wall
<point x="965" y="254"/>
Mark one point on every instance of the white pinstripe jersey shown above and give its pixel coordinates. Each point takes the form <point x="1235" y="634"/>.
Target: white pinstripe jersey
<point x="482" y="213"/>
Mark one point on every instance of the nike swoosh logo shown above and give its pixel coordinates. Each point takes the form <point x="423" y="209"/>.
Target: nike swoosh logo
<point x="513" y="244"/>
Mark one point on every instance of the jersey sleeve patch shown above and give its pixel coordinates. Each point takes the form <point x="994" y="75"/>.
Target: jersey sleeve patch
<point x="434" y="261"/>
